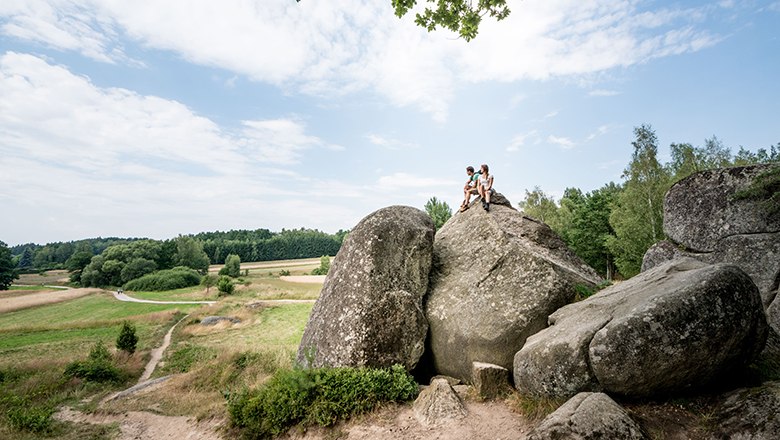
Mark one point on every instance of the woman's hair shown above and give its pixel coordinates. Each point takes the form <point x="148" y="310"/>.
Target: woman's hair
<point x="484" y="167"/>
<point x="470" y="168"/>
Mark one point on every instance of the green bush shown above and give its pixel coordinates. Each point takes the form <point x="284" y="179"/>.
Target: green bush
<point x="324" y="266"/>
<point x="24" y="416"/>
<point x="170" y="279"/>
<point x="127" y="339"/>
<point x="99" y="367"/>
<point x="232" y="266"/>
<point x="225" y="285"/>
<point x="317" y="396"/>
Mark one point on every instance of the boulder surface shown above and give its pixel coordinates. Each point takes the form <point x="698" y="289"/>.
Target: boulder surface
<point x="749" y="414"/>
<point x="680" y="325"/>
<point x="497" y="275"/>
<point x="700" y="210"/>
<point x="588" y="416"/>
<point x="369" y="312"/>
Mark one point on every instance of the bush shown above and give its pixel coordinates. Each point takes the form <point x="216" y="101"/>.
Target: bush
<point x="324" y="266"/>
<point x="127" y="339"/>
<point x="225" y="285"/>
<point x="318" y="396"/>
<point x="232" y="266"/>
<point x="24" y="416"/>
<point x="99" y="367"/>
<point x="170" y="279"/>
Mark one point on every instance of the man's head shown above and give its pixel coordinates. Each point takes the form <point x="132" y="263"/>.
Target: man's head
<point x="469" y="170"/>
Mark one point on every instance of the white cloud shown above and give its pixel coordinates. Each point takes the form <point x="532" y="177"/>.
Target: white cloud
<point x="126" y="161"/>
<point x="600" y="131"/>
<point x="342" y="46"/>
<point x="520" y="140"/>
<point x="564" y="142"/>
<point x="389" y="143"/>
<point x="603" y="92"/>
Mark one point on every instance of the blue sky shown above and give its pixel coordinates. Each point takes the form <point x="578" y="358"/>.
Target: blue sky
<point x="151" y="119"/>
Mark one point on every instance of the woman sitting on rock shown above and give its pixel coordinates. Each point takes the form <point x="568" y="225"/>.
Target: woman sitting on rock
<point x="485" y="186"/>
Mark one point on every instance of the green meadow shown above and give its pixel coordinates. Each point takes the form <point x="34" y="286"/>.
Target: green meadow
<point x="37" y="343"/>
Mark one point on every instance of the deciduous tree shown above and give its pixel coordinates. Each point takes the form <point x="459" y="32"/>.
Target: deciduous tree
<point x="637" y="217"/>
<point x="8" y="271"/>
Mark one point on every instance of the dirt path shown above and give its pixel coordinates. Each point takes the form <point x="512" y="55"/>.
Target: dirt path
<point x="268" y="265"/>
<point x="33" y="299"/>
<point x="123" y="297"/>
<point x="308" y="279"/>
<point x="135" y="425"/>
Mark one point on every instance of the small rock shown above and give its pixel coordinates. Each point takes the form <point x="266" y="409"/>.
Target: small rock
<point x="438" y="404"/>
<point x="213" y="320"/>
<point x="489" y="380"/>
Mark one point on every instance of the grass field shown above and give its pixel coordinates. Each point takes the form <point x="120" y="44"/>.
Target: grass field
<point x="36" y="343"/>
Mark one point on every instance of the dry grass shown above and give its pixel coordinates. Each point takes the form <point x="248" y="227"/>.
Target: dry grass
<point x="533" y="408"/>
<point x="50" y="277"/>
<point x="34" y="299"/>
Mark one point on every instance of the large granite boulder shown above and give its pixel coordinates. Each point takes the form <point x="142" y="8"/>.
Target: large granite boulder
<point x="704" y="221"/>
<point x="749" y="414"/>
<point x="683" y="324"/>
<point x="497" y="275"/>
<point x="369" y="312"/>
<point x="588" y="416"/>
<point x="700" y="210"/>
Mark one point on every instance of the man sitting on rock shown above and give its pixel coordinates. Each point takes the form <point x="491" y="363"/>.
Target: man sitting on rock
<point x="469" y="188"/>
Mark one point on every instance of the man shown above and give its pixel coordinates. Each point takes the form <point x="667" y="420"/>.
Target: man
<point x="469" y="188"/>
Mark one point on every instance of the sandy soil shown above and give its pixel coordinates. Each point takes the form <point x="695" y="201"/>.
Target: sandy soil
<point x="136" y="425"/>
<point x="492" y="420"/>
<point x="33" y="299"/>
<point x="309" y="279"/>
<point x="262" y="265"/>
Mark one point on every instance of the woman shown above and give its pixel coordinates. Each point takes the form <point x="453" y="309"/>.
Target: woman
<point x="485" y="186"/>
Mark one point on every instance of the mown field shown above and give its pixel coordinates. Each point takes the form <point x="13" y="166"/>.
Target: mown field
<point x="37" y="343"/>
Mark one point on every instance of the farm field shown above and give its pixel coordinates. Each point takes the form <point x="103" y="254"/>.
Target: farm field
<point x="37" y="343"/>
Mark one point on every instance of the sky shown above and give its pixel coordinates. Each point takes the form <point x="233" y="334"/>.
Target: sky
<point x="154" y="119"/>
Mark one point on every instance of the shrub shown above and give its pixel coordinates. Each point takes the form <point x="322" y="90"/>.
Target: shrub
<point x="232" y="266"/>
<point x="127" y="339"/>
<point x="170" y="279"/>
<point x="25" y="416"/>
<point x="284" y="273"/>
<point x="317" y="396"/>
<point x="324" y="266"/>
<point x="99" y="367"/>
<point x="225" y="285"/>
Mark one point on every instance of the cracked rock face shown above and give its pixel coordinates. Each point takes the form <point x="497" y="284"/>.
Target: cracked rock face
<point x="699" y="211"/>
<point x="749" y="413"/>
<point x="680" y="325"/>
<point x="496" y="277"/>
<point x="369" y="312"/>
<point x="704" y="222"/>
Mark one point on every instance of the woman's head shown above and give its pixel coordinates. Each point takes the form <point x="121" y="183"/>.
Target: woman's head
<point x="484" y="168"/>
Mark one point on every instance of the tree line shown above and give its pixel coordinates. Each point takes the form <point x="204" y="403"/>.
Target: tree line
<point x="612" y="227"/>
<point x="116" y="261"/>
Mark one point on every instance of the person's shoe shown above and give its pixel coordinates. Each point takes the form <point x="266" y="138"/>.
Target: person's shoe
<point x="463" y="208"/>
<point x="487" y="206"/>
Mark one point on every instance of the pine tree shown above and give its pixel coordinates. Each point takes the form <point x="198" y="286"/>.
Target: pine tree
<point x="127" y="339"/>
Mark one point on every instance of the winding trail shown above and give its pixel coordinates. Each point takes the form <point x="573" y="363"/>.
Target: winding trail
<point x="123" y="297"/>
